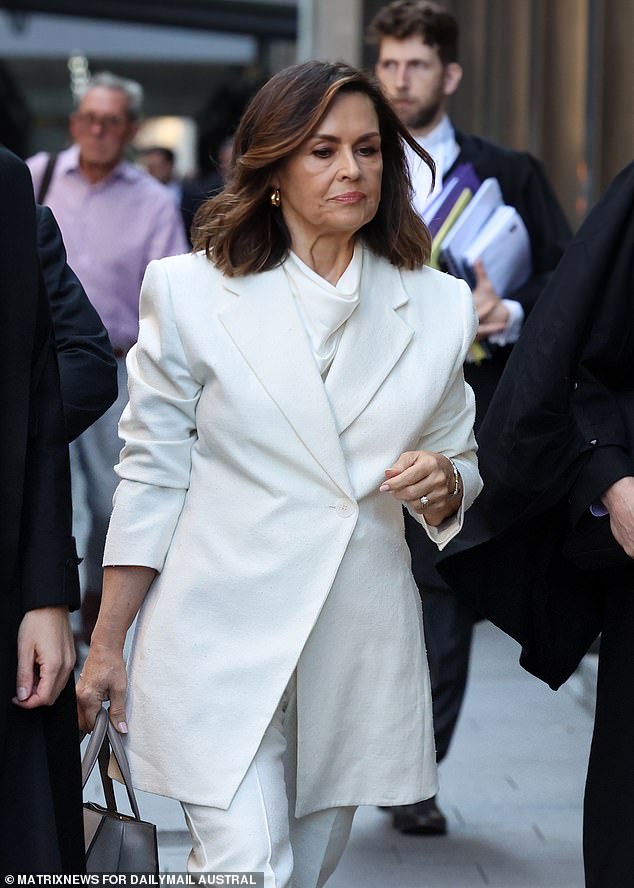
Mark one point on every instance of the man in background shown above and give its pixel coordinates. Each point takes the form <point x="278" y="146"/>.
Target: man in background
<point x="418" y="70"/>
<point x="159" y="163"/>
<point x="114" y="219"/>
<point x="87" y="367"/>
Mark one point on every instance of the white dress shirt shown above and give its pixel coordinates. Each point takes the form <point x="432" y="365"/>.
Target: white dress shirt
<point x="441" y="144"/>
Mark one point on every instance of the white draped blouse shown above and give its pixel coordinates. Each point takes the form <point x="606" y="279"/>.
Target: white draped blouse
<point x="323" y="307"/>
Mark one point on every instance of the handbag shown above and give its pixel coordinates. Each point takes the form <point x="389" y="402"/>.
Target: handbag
<point x="115" y="843"/>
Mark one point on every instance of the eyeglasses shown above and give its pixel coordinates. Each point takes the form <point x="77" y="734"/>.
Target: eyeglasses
<point x="108" y="122"/>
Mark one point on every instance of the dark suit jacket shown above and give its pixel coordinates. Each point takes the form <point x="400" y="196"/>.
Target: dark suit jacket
<point x="87" y="367"/>
<point x="36" y="549"/>
<point x="525" y="187"/>
<point x="195" y="193"/>
<point x="554" y="439"/>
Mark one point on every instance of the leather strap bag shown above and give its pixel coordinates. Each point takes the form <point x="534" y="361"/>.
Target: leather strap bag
<point x="115" y="843"/>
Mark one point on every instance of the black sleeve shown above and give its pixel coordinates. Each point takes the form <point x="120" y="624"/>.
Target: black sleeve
<point x="48" y="560"/>
<point x="599" y="470"/>
<point x="87" y="367"/>
<point x="605" y="419"/>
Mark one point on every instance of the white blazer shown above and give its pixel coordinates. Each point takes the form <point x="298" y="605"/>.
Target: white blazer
<point x="253" y="487"/>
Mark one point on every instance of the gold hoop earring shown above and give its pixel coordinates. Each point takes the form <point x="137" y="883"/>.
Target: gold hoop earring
<point x="275" y="198"/>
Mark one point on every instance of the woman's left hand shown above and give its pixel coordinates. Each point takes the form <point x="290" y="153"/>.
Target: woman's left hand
<point x="46" y="655"/>
<point x="422" y="473"/>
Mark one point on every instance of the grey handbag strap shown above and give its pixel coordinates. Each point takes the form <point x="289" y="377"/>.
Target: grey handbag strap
<point x="102" y="735"/>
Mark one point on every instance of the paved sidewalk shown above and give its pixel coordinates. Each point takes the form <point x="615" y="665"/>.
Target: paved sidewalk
<point x="511" y="787"/>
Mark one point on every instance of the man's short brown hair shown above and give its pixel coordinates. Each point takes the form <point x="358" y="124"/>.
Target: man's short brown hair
<point x="405" y="18"/>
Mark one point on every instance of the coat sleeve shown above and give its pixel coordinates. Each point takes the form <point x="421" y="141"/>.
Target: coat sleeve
<point x="159" y="430"/>
<point x="451" y="430"/>
<point x="87" y="367"/>
<point x="37" y="564"/>
<point x="48" y="569"/>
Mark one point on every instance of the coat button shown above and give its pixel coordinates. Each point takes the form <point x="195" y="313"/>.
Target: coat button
<point x="344" y="508"/>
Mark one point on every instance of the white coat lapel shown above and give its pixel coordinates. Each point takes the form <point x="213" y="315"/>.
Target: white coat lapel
<point x="374" y="338"/>
<point x="265" y="326"/>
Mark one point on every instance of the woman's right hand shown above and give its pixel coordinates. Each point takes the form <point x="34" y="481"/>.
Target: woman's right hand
<point x="102" y="678"/>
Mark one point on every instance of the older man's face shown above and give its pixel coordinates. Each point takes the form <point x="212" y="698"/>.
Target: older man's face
<point x="102" y="127"/>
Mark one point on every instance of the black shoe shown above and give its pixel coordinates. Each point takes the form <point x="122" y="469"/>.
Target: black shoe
<point x="422" y="819"/>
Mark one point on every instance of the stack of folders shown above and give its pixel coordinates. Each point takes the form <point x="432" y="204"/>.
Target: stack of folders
<point x="463" y="178"/>
<point x="469" y="222"/>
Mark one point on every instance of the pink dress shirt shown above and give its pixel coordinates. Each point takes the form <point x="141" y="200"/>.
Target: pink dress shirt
<point x="111" y="230"/>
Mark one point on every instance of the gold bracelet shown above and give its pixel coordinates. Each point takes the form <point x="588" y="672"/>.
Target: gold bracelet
<point x="456" y="478"/>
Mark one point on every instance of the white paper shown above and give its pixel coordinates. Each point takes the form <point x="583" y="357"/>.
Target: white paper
<point x="486" y="200"/>
<point x="504" y="248"/>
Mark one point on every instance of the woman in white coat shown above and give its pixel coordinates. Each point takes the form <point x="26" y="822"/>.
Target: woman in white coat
<point x="295" y="382"/>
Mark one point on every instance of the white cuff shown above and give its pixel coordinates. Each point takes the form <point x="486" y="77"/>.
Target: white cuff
<point x="511" y="332"/>
<point x="445" y="532"/>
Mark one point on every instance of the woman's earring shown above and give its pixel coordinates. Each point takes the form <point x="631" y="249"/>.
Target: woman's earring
<point x="275" y="198"/>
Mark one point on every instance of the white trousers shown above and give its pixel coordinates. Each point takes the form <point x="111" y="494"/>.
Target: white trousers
<point x="259" y="832"/>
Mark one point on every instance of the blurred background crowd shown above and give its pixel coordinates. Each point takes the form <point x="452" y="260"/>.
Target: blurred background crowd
<point x="552" y="78"/>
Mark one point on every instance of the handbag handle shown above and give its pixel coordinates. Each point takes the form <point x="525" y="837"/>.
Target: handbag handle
<point x="103" y="735"/>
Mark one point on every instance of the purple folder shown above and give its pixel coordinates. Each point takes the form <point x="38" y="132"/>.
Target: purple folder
<point x="464" y="176"/>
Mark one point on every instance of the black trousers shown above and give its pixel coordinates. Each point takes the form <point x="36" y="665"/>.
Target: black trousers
<point x="448" y="632"/>
<point x="608" y="833"/>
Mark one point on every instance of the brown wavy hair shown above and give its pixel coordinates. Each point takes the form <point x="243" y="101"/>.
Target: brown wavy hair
<point x="239" y="230"/>
<point x="401" y="19"/>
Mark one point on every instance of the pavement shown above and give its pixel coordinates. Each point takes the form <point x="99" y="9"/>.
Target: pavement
<point x="511" y="787"/>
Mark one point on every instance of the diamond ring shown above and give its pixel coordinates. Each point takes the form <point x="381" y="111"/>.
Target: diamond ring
<point x="424" y="501"/>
